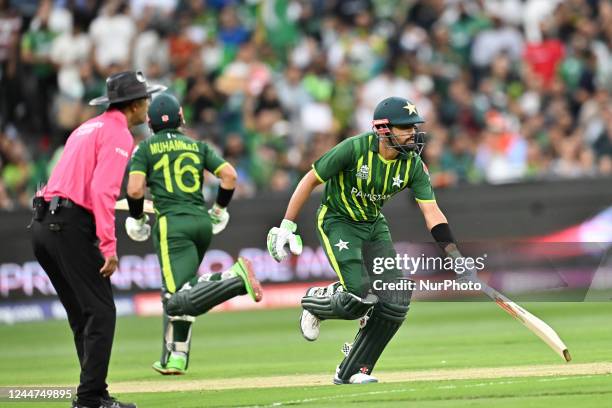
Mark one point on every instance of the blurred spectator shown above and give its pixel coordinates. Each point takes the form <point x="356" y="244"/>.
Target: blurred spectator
<point x="112" y="33"/>
<point x="458" y="161"/>
<point x="316" y="114"/>
<point x="377" y="89"/>
<point x="360" y="47"/>
<point x="502" y="157"/>
<point x="440" y="176"/>
<point x="603" y="144"/>
<point x="568" y="163"/>
<point x="181" y="47"/>
<point x="36" y="57"/>
<point x="16" y="169"/>
<point x="202" y="102"/>
<point x="246" y="75"/>
<point x="69" y="51"/>
<point x="343" y="98"/>
<point x="162" y="8"/>
<point x="279" y="19"/>
<point x="501" y="37"/>
<point x="232" y="32"/>
<point x="151" y="48"/>
<point x="10" y="89"/>
<point x="543" y="57"/>
<point x="235" y="154"/>
<point x="293" y="97"/>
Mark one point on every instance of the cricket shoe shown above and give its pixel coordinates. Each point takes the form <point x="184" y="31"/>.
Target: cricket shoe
<point x="177" y="365"/>
<point x="111" y="402"/>
<point x="310" y="325"/>
<point x="244" y="270"/>
<point x="359" y="378"/>
<point x="106" y="402"/>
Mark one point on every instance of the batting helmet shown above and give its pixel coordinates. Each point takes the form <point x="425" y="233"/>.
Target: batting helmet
<point x="165" y="112"/>
<point x="396" y="111"/>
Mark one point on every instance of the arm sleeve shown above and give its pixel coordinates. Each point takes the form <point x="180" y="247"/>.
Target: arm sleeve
<point x="421" y="184"/>
<point x="138" y="163"/>
<point x="334" y="161"/>
<point x="212" y="161"/>
<point x="111" y="159"/>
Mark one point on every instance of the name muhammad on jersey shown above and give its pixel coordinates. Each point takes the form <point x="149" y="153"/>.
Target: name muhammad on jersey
<point x="172" y="145"/>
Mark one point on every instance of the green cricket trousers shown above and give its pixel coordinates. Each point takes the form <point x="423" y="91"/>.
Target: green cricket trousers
<point x="180" y="242"/>
<point x="350" y="247"/>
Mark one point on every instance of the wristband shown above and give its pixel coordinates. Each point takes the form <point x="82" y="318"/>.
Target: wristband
<point x="224" y="196"/>
<point x="442" y="234"/>
<point x="135" y="205"/>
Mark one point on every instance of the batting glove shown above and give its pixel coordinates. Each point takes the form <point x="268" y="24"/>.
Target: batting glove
<point x="279" y="237"/>
<point x="469" y="274"/>
<point x="219" y="217"/>
<point x="137" y="228"/>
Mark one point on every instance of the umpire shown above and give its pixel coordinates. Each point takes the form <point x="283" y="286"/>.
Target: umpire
<point x="74" y="227"/>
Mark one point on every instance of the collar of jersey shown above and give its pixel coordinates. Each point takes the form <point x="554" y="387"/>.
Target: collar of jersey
<point x="165" y="131"/>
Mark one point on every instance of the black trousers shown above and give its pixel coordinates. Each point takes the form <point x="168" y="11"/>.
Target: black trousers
<point x="65" y="245"/>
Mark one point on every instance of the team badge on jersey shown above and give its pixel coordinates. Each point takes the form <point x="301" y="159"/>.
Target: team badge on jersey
<point x="363" y="172"/>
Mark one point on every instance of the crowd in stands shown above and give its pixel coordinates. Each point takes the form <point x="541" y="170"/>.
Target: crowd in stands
<point x="512" y="90"/>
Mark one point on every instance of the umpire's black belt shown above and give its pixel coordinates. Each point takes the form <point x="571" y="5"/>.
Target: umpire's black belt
<point x="41" y="206"/>
<point x="66" y="203"/>
<point x="60" y="202"/>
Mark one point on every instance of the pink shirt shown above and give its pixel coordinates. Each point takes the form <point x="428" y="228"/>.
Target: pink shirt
<point x="91" y="170"/>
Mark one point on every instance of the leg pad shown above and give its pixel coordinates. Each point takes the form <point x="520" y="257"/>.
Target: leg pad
<point x="371" y="340"/>
<point x="335" y="303"/>
<point x="203" y="296"/>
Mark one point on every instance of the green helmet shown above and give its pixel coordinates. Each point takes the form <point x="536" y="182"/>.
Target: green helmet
<point x="165" y="112"/>
<point x="396" y="111"/>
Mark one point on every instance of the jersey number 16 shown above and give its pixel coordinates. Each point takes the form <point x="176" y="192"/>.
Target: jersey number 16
<point x="179" y="172"/>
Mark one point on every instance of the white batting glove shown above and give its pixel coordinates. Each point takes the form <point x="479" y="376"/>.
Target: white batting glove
<point x="278" y="237"/>
<point x="137" y="228"/>
<point x="219" y="217"/>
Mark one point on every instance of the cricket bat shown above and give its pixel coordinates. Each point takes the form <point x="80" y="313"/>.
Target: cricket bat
<point x="536" y="325"/>
<point x="122" y="205"/>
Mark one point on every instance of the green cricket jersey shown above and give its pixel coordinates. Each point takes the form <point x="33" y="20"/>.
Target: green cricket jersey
<point x="173" y="165"/>
<point x="358" y="180"/>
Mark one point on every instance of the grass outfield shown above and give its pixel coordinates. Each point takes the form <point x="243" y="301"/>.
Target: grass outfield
<point x="437" y="338"/>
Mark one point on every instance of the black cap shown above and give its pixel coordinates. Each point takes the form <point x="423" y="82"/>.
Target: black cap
<point x="126" y="86"/>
